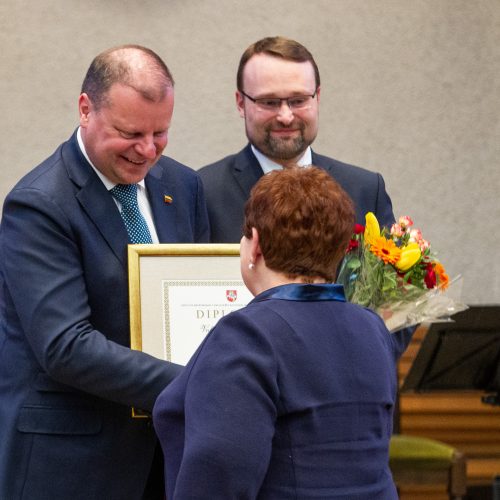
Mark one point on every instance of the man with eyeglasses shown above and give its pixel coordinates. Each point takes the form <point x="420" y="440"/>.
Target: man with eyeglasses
<point x="278" y="93"/>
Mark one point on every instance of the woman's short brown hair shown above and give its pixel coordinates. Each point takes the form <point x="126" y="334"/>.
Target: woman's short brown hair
<point x="304" y="220"/>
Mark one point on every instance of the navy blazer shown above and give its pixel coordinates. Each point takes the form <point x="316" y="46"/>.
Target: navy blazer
<point x="228" y="183"/>
<point x="289" y="397"/>
<point x="67" y="375"/>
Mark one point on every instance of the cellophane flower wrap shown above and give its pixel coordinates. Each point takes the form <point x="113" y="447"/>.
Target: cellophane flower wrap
<point x="395" y="273"/>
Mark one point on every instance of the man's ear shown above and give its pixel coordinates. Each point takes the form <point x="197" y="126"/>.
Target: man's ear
<point x="84" y="108"/>
<point x="240" y="103"/>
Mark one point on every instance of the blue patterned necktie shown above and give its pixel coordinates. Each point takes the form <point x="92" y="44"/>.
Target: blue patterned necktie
<point x="137" y="228"/>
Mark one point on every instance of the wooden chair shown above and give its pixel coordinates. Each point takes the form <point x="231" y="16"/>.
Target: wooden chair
<point x="427" y="469"/>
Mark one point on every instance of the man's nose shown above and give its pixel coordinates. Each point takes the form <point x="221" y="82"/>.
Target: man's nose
<point x="285" y="114"/>
<point x="146" y="147"/>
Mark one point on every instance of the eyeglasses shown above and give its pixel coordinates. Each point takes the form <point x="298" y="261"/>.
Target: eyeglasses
<point x="297" y="102"/>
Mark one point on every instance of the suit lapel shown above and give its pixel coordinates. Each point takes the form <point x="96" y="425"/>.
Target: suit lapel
<point x="163" y="210"/>
<point x="318" y="161"/>
<point x="100" y="207"/>
<point x="95" y="199"/>
<point x="246" y="170"/>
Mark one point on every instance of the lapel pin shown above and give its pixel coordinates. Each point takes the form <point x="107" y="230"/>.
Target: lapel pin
<point x="167" y="199"/>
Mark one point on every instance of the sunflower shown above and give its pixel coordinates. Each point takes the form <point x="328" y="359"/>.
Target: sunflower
<point x="385" y="249"/>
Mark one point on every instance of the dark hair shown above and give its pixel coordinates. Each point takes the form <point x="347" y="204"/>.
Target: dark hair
<point x="119" y="65"/>
<point x="277" y="46"/>
<point x="304" y="220"/>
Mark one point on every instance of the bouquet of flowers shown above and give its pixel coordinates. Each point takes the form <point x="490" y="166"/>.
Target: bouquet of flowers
<point x="395" y="273"/>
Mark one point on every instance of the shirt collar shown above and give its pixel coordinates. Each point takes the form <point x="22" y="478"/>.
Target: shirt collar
<point x="269" y="165"/>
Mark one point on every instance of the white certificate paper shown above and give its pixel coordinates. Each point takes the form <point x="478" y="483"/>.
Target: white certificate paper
<point x="191" y="308"/>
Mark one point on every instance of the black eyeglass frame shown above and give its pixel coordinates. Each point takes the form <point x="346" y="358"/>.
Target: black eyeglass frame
<point x="259" y="100"/>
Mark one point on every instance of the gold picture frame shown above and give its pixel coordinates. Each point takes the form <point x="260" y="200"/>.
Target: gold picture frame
<point x="161" y="273"/>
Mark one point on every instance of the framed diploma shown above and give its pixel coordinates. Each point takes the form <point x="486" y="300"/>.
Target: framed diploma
<point x="178" y="292"/>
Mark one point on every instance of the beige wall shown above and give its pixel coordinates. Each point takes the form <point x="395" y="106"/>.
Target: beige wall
<point x="410" y="88"/>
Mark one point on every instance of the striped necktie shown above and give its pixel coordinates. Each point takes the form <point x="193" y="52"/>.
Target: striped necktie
<point x="135" y="223"/>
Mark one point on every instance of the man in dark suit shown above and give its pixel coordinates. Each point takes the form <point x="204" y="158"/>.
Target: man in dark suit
<point x="278" y="93"/>
<point x="68" y="378"/>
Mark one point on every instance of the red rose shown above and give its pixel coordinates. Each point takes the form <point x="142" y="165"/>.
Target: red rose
<point x="352" y="245"/>
<point x="430" y="276"/>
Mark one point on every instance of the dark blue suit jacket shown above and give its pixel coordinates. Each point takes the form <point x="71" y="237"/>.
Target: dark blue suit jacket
<point x="228" y="183"/>
<point x="289" y="397"/>
<point x="67" y="375"/>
